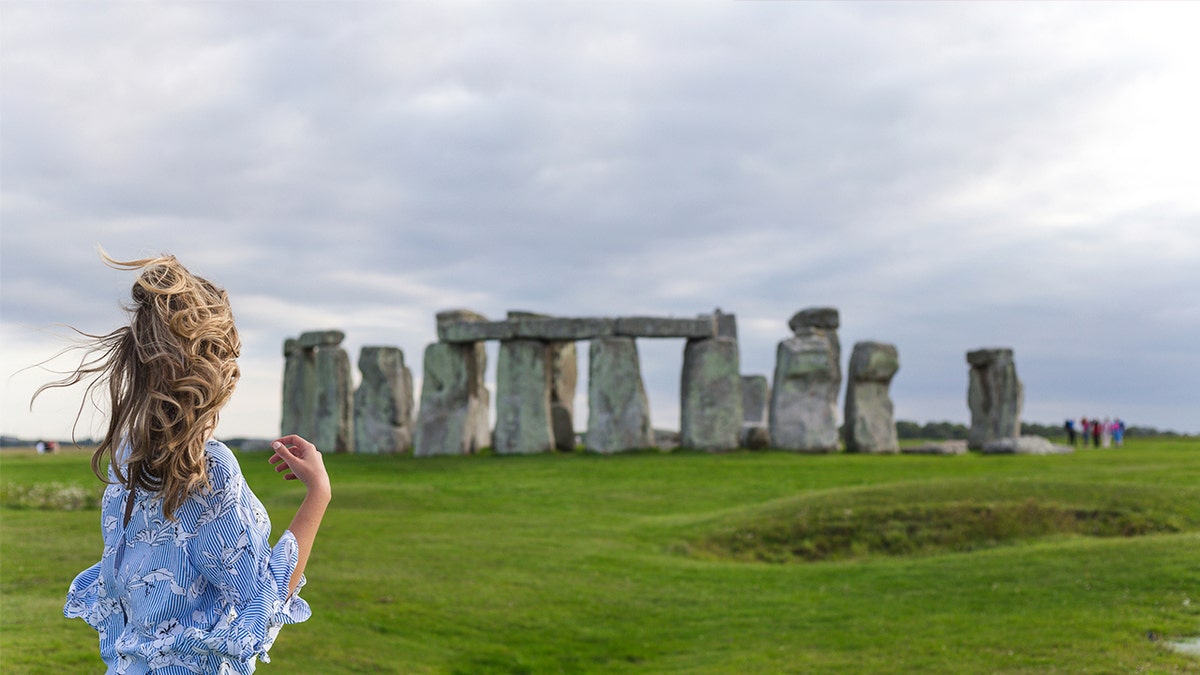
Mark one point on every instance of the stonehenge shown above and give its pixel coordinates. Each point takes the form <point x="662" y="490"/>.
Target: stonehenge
<point x="994" y="395"/>
<point x="869" y="423"/>
<point x="537" y="373"/>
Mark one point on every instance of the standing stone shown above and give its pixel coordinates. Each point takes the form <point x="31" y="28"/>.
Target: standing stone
<point x="564" y="375"/>
<point x="299" y="389"/>
<point x="618" y="408"/>
<point x="870" y="424"/>
<point x="756" y="404"/>
<point x="563" y="369"/>
<point x="453" y="419"/>
<point x="523" y="398"/>
<point x="335" y="400"/>
<point x="383" y="404"/>
<point x="808" y="375"/>
<point x="317" y="392"/>
<point x="995" y="396"/>
<point x="711" y="393"/>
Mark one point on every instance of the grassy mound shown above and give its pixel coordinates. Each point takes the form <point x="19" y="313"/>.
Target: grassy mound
<point x="923" y="519"/>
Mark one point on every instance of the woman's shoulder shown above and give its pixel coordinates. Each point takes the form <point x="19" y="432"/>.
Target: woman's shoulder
<point x="222" y="464"/>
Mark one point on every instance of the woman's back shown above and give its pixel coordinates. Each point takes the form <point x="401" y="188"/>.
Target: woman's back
<point x="203" y="591"/>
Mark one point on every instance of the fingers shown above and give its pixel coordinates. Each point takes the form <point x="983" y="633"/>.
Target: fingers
<point x="284" y="451"/>
<point x="296" y="443"/>
<point x="293" y="453"/>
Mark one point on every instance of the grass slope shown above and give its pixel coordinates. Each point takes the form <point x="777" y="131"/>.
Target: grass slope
<point x="573" y="563"/>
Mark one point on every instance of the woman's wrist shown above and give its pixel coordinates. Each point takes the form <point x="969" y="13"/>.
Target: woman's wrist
<point x="319" y="490"/>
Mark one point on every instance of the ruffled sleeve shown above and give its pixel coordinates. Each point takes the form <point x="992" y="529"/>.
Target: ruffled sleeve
<point x="231" y="552"/>
<point x="87" y="600"/>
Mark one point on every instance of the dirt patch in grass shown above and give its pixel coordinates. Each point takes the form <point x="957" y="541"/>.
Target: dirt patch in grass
<point x="806" y="532"/>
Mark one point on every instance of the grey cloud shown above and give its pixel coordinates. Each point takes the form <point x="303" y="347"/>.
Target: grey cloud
<point x="368" y="164"/>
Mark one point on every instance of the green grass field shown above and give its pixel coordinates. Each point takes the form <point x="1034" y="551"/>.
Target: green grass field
<point x="690" y="563"/>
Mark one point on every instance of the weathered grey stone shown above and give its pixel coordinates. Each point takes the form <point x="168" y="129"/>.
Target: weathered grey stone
<point x="665" y="439"/>
<point x="724" y="325"/>
<point x="560" y="329"/>
<point x="317" y="392"/>
<point x="453" y="419"/>
<point x="995" y="396"/>
<point x="321" y="338"/>
<point x="523" y="398"/>
<point x="450" y="322"/>
<point x="299" y="389"/>
<point x="755" y="436"/>
<point x="467" y="326"/>
<point x="869" y="422"/>
<point x="942" y="448"/>
<point x="808" y="375"/>
<point x="518" y="314"/>
<point x="756" y="399"/>
<point x="564" y="376"/>
<point x="825" y="318"/>
<point x="711" y="395"/>
<point x="618" y="408"/>
<point x="475" y="331"/>
<point x="457" y="315"/>
<point x="756" y="405"/>
<point x="383" y="404"/>
<point x="335" y="401"/>
<point x="665" y="327"/>
<point x="563" y="379"/>
<point x="1024" y="445"/>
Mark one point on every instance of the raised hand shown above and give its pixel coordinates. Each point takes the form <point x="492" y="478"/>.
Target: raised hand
<point x="299" y="460"/>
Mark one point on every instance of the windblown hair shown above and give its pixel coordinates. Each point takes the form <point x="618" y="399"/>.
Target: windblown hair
<point x="168" y="374"/>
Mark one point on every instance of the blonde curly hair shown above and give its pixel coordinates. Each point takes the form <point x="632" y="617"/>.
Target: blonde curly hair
<point x="169" y="373"/>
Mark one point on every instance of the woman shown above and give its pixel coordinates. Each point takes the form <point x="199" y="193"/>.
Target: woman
<point x="187" y="582"/>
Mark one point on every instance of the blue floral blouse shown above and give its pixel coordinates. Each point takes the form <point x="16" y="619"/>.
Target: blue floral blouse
<point x="204" y="593"/>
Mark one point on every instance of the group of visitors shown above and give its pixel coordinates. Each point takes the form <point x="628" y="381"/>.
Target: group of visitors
<point x="1102" y="433"/>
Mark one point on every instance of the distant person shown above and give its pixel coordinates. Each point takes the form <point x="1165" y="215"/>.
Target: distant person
<point x="1085" y="430"/>
<point x="187" y="582"/>
<point x="1069" y="425"/>
<point x="1096" y="433"/>
<point x="1106" y="433"/>
<point x="40" y="446"/>
<point x="1119" y="433"/>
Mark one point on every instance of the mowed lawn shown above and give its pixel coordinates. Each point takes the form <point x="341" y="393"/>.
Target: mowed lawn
<point x="578" y="564"/>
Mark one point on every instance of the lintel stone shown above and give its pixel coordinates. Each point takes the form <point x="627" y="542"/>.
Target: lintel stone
<point x="463" y="326"/>
<point x="558" y="329"/>
<point x="656" y="327"/>
<point x="475" y="331"/>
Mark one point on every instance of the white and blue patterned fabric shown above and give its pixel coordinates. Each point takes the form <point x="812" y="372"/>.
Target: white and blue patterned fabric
<point x="204" y="593"/>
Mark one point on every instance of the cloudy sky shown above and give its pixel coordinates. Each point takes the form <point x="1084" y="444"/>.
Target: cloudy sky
<point x="949" y="175"/>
